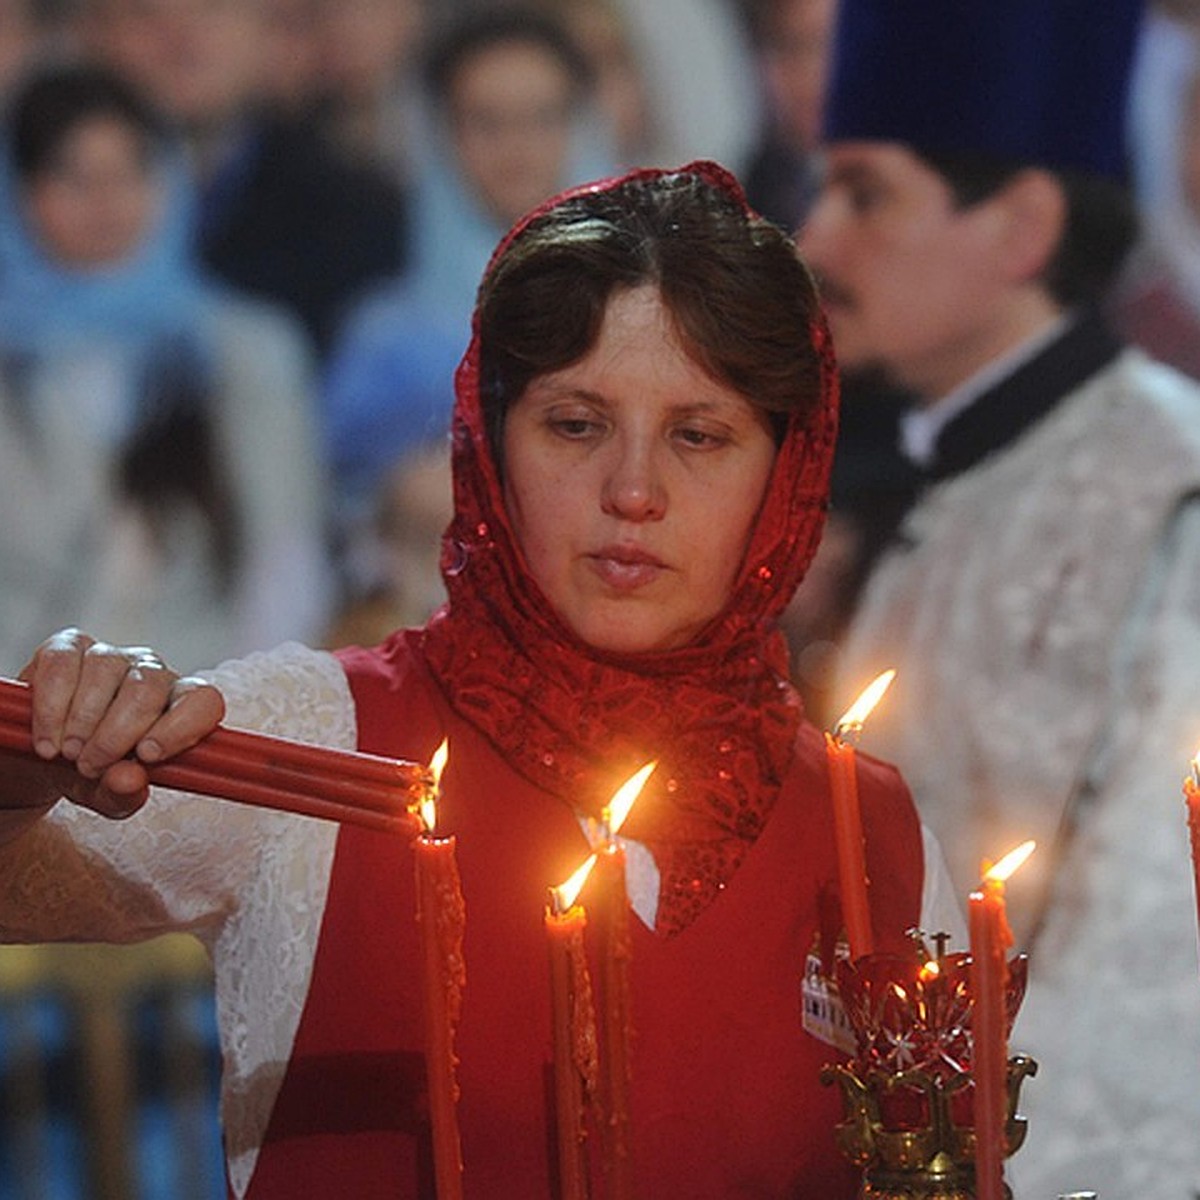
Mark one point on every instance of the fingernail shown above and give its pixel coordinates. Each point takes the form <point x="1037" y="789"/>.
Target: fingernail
<point x="149" y="750"/>
<point x="71" y="747"/>
<point x="46" y="748"/>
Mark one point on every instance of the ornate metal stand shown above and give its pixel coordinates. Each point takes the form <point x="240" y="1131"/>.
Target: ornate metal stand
<point x="933" y="1158"/>
<point x="907" y="1094"/>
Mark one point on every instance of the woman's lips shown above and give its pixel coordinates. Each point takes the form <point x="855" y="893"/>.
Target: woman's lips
<point x="626" y="568"/>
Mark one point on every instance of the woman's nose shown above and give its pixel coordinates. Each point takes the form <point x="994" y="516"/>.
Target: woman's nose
<point x="634" y="488"/>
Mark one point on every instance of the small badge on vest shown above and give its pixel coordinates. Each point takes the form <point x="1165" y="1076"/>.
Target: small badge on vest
<point x="822" y="1012"/>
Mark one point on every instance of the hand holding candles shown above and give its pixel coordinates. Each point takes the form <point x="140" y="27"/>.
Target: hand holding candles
<point x="441" y="915"/>
<point x="990" y="939"/>
<point x="847" y="817"/>
<point x="269" y="772"/>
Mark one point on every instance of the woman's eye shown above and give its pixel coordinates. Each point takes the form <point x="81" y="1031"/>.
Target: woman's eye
<point x="574" y="427"/>
<point x="700" y="438"/>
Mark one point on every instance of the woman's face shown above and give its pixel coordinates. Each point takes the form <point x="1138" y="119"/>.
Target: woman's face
<point x="632" y="480"/>
<point x="95" y="201"/>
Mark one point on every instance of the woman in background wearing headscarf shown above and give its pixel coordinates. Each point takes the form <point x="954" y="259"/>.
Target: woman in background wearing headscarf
<point x="158" y="471"/>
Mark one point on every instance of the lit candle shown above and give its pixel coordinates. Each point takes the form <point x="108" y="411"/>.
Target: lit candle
<point x="1191" y="790"/>
<point x="575" y="1066"/>
<point x="847" y="815"/>
<point x="441" y="916"/>
<point x="990" y="939"/>
<point x="613" y="919"/>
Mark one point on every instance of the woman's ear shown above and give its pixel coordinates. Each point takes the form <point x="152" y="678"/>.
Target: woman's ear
<point x="1033" y="208"/>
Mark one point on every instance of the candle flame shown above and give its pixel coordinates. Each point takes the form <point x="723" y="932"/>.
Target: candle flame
<point x="617" y="809"/>
<point x="429" y="812"/>
<point x="1010" y="862"/>
<point x="930" y="970"/>
<point x="851" y="721"/>
<point x="1196" y="768"/>
<point x="563" y="896"/>
<point x="428" y="806"/>
<point x="437" y="764"/>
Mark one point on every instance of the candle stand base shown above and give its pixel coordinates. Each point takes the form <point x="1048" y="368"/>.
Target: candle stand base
<point x="911" y="1130"/>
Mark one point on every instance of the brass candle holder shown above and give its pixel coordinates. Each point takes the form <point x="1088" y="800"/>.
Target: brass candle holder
<point x="907" y="1093"/>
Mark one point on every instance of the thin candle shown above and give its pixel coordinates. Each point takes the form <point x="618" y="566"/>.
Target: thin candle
<point x="847" y="815"/>
<point x="990" y="939"/>
<point x="441" y="916"/>
<point x="613" y="918"/>
<point x="574" y="1020"/>
<point x="1191" y="791"/>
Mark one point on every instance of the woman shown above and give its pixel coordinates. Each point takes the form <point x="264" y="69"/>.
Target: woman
<point x="157" y="444"/>
<point x="642" y="442"/>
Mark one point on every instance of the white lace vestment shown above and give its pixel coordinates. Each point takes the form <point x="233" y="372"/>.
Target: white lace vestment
<point x="1043" y="611"/>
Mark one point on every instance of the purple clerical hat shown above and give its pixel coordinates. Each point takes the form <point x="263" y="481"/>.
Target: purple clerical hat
<point x="1042" y="82"/>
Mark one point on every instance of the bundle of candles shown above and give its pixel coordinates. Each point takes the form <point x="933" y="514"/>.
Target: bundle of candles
<point x="271" y="772"/>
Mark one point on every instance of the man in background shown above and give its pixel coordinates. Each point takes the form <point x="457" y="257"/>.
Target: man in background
<point x="1041" y="600"/>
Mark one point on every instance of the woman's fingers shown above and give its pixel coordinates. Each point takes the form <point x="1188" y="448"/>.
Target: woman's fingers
<point x="97" y="705"/>
<point x="54" y="671"/>
<point x="196" y="708"/>
<point x="122" y="694"/>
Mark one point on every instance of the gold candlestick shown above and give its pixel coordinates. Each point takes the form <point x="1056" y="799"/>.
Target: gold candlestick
<point x="907" y="1093"/>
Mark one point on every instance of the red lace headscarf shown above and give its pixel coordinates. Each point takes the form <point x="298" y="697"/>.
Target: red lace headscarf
<point x="719" y="714"/>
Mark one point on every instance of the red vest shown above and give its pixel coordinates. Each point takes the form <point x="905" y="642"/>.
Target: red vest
<point x="726" y="1100"/>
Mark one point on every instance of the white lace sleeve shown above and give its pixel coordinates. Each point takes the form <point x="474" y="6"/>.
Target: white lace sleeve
<point x="250" y="882"/>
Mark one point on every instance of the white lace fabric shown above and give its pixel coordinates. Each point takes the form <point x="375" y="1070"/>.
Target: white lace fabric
<point x="1043" y="611"/>
<point x="251" y="883"/>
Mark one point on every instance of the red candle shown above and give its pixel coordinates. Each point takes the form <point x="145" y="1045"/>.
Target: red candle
<point x="574" y="1013"/>
<point x="1191" y="791"/>
<point x="990" y="939"/>
<point x="441" y="916"/>
<point x="615" y="954"/>
<point x="851" y="850"/>
<point x="847" y="816"/>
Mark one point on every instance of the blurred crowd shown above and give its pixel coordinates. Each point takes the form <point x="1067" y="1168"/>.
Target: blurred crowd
<point x="239" y="244"/>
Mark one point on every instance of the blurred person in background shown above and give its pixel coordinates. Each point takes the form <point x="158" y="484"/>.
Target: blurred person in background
<point x="793" y="41"/>
<point x="508" y="91"/>
<point x="872" y="483"/>
<point x="292" y="62"/>
<point x="23" y="36"/>
<point x="1156" y="304"/>
<point x="1041" y="599"/>
<point x="279" y="214"/>
<point x="158" y="465"/>
<point x="697" y="64"/>
<point x="601" y="30"/>
<point x="369" y="93"/>
<point x="410" y="513"/>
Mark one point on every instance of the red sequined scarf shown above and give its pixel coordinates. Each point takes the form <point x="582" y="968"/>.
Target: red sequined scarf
<point x="719" y="714"/>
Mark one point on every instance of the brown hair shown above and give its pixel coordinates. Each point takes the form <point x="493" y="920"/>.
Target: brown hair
<point x="741" y="299"/>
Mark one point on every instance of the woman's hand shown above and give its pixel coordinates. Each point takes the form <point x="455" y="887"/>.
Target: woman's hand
<point x="107" y="711"/>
